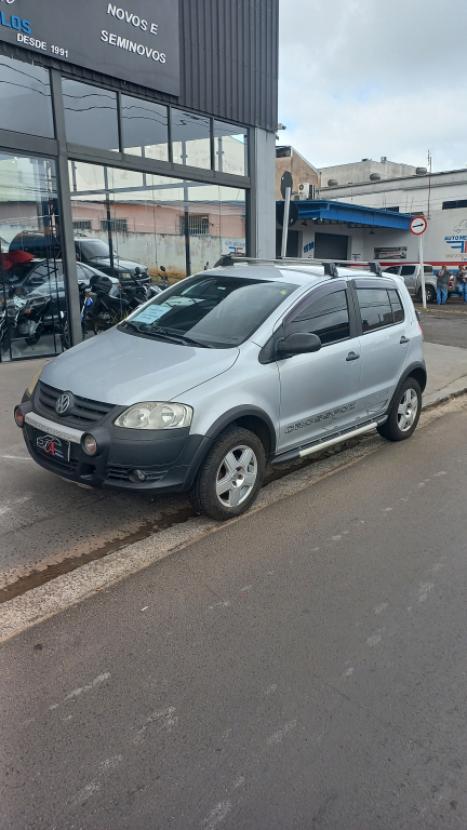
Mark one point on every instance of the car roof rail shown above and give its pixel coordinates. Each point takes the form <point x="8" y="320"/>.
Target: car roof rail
<point x="330" y="269"/>
<point x="375" y="268"/>
<point x="330" y="265"/>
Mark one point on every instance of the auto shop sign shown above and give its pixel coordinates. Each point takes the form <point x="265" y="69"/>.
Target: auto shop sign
<point x="136" y="42"/>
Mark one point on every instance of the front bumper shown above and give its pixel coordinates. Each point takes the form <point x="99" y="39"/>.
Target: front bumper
<point x="168" y="459"/>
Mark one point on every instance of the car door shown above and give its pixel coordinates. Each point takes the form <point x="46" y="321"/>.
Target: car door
<point x="319" y="391"/>
<point x="384" y="342"/>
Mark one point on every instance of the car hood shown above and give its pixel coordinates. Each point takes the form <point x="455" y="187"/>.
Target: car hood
<point x="122" y="369"/>
<point x="119" y="264"/>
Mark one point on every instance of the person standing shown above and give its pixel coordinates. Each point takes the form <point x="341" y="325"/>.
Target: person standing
<point x="442" y="285"/>
<point x="462" y="282"/>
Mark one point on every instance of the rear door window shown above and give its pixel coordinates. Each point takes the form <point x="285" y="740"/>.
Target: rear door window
<point x="407" y="270"/>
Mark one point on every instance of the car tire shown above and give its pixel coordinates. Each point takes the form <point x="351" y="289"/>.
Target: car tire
<point x="404" y="413"/>
<point x="430" y="292"/>
<point x="236" y="463"/>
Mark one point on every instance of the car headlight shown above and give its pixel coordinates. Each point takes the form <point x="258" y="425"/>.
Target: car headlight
<point x="152" y="415"/>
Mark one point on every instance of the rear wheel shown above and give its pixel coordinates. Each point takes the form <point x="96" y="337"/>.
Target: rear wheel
<point x="404" y="413"/>
<point x="230" y="476"/>
<point x="430" y="292"/>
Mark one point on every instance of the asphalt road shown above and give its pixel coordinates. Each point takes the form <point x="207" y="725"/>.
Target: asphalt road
<point x="304" y="667"/>
<point x="447" y="327"/>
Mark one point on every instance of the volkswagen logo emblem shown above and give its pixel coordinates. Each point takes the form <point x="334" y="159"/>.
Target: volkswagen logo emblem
<point x="63" y="403"/>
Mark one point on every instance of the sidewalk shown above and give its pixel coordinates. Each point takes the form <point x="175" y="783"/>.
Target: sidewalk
<point x="447" y="372"/>
<point x="447" y="310"/>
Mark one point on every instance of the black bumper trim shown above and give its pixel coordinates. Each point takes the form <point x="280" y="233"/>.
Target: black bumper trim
<point x="169" y="459"/>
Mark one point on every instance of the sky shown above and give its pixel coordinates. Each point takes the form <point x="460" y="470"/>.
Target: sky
<point x="367" y="78"/>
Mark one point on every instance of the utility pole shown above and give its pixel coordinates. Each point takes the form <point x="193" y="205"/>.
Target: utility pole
<point x="430" y="160"/>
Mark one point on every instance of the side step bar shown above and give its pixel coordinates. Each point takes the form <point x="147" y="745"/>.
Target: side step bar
<point x="324" y="445"/>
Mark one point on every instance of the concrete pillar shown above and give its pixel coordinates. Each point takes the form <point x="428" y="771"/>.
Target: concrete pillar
<point x="263" y="204"/>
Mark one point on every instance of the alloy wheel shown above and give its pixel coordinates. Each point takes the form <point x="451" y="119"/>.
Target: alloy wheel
<point x="236" y="476"/>
<point x="407" y="410"/>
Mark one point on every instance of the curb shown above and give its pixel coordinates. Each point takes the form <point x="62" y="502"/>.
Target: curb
<point x="447" y="394"/>
<point x="437" y="310"/>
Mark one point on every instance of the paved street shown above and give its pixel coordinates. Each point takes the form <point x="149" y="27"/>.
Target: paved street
<point x="303" y="667"/>
<point x="447" y="326"/>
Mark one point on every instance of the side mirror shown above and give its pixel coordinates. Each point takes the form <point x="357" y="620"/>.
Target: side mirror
<point x="298" y="343"/>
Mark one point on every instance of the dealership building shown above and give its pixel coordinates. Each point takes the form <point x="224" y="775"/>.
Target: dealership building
<point x="137" y="135"/>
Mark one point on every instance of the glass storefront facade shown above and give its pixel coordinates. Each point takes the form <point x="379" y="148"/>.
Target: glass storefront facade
<point x="156" y="220"/>
<point x="33" y="308"/>
<point x="95" y="180"/>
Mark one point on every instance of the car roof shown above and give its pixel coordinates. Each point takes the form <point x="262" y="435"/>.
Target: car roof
<point x="300" y="275"/>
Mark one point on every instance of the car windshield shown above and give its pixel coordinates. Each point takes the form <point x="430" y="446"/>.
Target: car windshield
<point x="213" y="311"/>
<point x="93" y="248"/>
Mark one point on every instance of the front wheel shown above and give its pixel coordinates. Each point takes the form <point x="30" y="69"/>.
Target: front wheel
<point x="230" y="476"/>
<point x="404" y="413"/>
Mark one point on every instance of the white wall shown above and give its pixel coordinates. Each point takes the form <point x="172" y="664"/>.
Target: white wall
<point x="446" y="236"/>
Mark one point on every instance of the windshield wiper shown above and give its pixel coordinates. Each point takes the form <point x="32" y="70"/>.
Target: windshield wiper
<point x="165" y="334"/>
<point x="181" y="338"/>
<point x="130" y="324"/>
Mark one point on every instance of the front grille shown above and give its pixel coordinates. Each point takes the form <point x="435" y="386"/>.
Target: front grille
<point x="119" y="472"/>
<point x="83" y="412"/>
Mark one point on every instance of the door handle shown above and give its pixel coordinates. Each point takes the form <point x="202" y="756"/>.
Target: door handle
<point x="404" y="340"/>
<point x="352" y="356"/>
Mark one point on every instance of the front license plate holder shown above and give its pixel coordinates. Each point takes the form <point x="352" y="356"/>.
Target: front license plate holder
<point x="48" y="445"/>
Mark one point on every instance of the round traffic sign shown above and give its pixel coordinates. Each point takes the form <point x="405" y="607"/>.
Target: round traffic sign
<point x="418" y="225"/>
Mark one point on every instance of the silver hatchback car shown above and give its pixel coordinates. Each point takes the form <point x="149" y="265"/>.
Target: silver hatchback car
<point x="231" y="369"/>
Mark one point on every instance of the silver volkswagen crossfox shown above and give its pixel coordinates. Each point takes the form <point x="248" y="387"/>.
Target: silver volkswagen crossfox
<point x="244" y="365"/>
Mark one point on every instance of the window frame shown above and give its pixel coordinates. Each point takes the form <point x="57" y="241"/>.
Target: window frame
<point x="362" y="284"/>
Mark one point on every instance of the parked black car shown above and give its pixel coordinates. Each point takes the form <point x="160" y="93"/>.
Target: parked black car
<point x="89" y="251"/>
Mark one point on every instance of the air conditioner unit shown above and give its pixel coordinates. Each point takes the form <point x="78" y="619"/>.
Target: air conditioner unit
<point x="305" y="190"/>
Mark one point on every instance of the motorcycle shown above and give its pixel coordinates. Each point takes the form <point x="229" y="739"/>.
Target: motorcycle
<point x="31" y="319"/>
<point x="10" y="308"/>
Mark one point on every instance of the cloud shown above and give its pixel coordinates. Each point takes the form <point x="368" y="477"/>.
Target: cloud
<point x="359" y="78"/>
